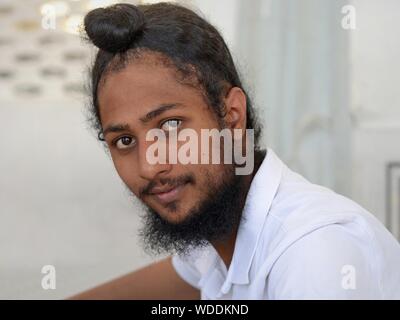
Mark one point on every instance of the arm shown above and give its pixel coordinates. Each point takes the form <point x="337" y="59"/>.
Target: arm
<point x="156" y="281"/>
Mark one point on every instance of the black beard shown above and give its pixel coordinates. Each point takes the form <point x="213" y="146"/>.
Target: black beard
<point x="214" y="219"/>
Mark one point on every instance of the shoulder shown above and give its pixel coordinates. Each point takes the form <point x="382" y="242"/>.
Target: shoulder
<point x="319" y="244"/>
<point x="300" y="207"/>
<point x="328" y="263"/>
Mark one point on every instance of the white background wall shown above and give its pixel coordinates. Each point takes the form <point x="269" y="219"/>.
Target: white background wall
<point x="375" y="106"/>
<point x="328" y="98"/>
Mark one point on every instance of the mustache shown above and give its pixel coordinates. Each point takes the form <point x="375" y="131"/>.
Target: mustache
<point x="171" y="182"/>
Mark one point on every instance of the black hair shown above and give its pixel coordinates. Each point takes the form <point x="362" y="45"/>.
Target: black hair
<point x="188" y="42"/>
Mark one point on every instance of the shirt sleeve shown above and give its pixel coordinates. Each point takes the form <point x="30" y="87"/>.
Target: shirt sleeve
<point x="186" y="270"/>
<point x="328" y="263"/>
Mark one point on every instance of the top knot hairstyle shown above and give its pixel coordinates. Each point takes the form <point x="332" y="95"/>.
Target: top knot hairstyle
<point x="188" y="43"/>
<point x="115" y="28"/>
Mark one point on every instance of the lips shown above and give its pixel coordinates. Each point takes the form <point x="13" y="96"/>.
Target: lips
<point x="166" y="194"/>
<point x="158" y="190"/>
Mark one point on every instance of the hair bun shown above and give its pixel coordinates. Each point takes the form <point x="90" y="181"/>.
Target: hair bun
<point x="114" y="28"/>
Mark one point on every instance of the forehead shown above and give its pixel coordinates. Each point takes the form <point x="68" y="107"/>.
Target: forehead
<point x="142" y="85"/>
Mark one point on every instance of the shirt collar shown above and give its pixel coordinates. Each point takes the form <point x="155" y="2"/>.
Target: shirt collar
<point x="258" y="202"/>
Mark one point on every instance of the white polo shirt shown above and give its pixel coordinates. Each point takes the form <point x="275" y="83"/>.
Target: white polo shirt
<point x="298" y="240"/>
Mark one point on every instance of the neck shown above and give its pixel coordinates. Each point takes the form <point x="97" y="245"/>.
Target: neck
<point x="226" y="247"/>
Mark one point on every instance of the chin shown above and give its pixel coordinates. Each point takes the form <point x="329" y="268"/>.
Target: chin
<point x="175" y="216"/>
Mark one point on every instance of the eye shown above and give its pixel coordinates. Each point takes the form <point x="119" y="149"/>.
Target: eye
<point x="125" y="142"/>
<point x="171" y="125"/>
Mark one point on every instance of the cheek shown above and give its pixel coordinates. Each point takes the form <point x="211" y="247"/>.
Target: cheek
<point x="126" y="173"/>
<point x="205" y="177"/>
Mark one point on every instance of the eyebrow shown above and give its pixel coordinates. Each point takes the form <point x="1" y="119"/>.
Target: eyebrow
<point x="145" y="119"/>
<point x="115" y="128"/>
<point x="158" y="111"/>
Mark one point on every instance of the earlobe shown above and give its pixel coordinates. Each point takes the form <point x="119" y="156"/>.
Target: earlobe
<point x="235" y="108"/>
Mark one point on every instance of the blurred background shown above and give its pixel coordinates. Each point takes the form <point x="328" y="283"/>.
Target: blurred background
<point x="324" y="75"/>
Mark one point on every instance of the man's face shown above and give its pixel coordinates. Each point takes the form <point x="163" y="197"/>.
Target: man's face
<point x="132" y="102"/>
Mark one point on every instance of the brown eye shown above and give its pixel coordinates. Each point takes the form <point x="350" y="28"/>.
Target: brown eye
<point x="125" y="142"/>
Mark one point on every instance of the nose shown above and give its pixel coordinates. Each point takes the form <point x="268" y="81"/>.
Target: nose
<point x="148" y="166"/>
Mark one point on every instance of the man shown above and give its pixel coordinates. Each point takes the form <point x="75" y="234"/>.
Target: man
<point x="265" y="234"/>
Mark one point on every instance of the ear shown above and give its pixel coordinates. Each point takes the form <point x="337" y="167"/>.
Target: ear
<point x="235" y="109"/>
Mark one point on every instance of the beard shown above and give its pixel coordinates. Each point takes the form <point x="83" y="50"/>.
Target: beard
<point x="212" y="219"/>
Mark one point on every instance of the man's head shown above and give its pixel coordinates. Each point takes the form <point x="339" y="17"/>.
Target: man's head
<point x="163" y="67"/>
